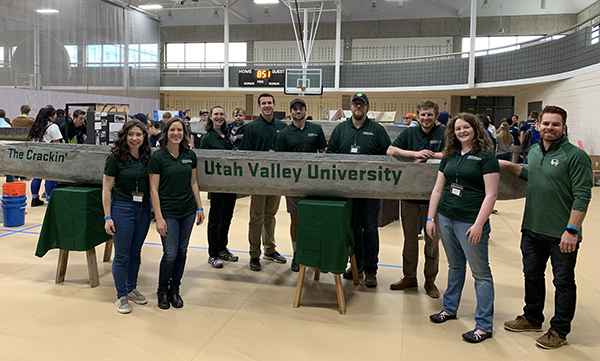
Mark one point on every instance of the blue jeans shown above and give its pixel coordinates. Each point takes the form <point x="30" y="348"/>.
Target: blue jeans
<point x="536" y="249"/>
<point x="175" y="246"/>
<point x="458" y="252"/>
<point x="10" y="178"/>
<point x="366" y="234"/>
<point x="132" y="220"/>
<point x="49" y="185"/>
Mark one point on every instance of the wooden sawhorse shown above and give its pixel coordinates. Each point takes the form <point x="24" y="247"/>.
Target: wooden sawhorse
<point x="63" y="259"/>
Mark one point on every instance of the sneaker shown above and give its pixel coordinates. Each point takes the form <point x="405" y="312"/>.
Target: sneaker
<point x="275" y="257"/>
<point x="441" y="317"/>
<point x="550" y="340"/>
<point x="348" y="273"/>
<point x="123" y="305"/>
<point x="295" y="267"/>
<point x="255" y="264"/>
<point x="403" y="284"/>
<point x="228" y="256"/>
<point x="476" y="336"/>
<point x="215" y="262"/>
<point x="520" y="324"/>
<point x="371" y="280"/>
<point x="431" y="289"/>
<point x="137" y="297"/>
<point x="36" y="202"/>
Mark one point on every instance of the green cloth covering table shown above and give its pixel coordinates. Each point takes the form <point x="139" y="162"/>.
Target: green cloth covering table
<point x="74" y="221"/>
<point x="325" y="238"/>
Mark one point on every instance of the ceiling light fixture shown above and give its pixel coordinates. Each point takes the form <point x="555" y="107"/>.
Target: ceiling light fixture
<point x="374" y="6"/>
<point x="486" y="4"/>
<point x="266" y="13"/>
<point x="543" y="5"/>
<point x="47" y="11"/>
<point x="170" y="16"/>
<point x="216" y="14"/>
<point x="151" y="7"/>
<point x="262" y="2"/>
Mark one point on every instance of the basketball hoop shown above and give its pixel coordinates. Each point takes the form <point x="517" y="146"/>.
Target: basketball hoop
<point x="301" y="90"/>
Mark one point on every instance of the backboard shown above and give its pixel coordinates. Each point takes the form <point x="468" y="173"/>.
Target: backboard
<point x="303" y="81"/>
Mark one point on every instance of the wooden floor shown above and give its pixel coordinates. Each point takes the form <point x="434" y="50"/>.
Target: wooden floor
<point x="237" y="314"/>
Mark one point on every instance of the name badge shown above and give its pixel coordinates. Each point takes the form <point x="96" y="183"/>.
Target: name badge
<point x="456" y="189"/>
<point x="354" y="149"/>
<point x="137" y="196"/>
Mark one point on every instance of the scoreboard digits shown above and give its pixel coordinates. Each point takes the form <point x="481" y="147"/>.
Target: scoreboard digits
<point x="261" y="78"/>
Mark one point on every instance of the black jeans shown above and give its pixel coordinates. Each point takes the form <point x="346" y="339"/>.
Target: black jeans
<point x="219" y="220"/>
<point x="366" y="234"/>
<point x="536" y="249"/>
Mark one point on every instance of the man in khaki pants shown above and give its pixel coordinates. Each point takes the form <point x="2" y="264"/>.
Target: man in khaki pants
<point x="260" y="135"/>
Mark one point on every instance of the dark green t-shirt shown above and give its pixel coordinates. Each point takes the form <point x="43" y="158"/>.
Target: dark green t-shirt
<point x="371" y="137"/>
<point x="125" y="176"/>
<point x="415" y="139"/>
<point x="470" y="177"/>
<point x="261" y="135"/>
<point x="307" y="140"/>
<point x="174" y="190"/>
<point x="212" y="140"/>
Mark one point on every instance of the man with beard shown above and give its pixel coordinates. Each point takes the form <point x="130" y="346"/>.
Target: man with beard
<point x="361" y="135"/>
<point x="420" y="143"/>
<point x="299" y="136"/>
<point x="559" y="185"/>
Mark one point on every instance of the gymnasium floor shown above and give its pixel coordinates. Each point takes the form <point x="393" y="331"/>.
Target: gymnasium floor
<point x="237" y="314"/>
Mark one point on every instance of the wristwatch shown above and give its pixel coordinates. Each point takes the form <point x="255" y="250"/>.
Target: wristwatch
<point x="572" y="231"/>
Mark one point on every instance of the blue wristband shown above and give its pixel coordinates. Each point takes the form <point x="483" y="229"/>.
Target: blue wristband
<point x="107" y="218"/>
<point x="572" y="227"/>
<point x="430" y="219"/>
<point x="200" y="209"/>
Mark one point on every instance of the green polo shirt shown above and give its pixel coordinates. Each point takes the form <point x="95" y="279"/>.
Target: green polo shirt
<point x="174" y="190"/>
<point x="307" y="140"/>
<point x="470" y="177"/>
<point x="415" y="139"/>
<point x="371" y="137"/>
<point x="212" y="140"/>
<point x="261" y="135"/>
<point x="125" y="177"/>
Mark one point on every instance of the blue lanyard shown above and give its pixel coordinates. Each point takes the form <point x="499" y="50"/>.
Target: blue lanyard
<point x="428" y="144"/>
<point x="137" y="174"/>
<point x="356" y="133"/>
<point x="458" y="166"/>
<point x="274" y="131"/>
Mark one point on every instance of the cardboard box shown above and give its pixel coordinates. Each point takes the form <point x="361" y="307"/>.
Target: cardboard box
<point x="595" y="162"/>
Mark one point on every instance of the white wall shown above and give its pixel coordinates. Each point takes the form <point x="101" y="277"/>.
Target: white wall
<point x="12" y="99"/>
<point x="579" y="96"/>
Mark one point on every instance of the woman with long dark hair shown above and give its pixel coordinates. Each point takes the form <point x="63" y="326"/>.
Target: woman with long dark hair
<point x="176" y="202"/>
<point x="463" y="197"/>
<point x="44" y="130"/>
<point x="125" y="197"/>
<point x="221" y="204"/>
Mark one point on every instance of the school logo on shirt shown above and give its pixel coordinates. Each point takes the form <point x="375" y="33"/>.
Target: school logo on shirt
<point x="554" y="162"/>
<point x="312" y="135"/>
<point x="186" y="161"/>
<point x="368" y="133"/>
<point x="472" y="157"/>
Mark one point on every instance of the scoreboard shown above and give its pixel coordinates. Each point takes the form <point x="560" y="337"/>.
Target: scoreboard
<point x="261" y="78"/>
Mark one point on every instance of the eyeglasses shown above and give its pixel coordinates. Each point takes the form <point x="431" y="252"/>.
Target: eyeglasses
<point x="359" y="105"/>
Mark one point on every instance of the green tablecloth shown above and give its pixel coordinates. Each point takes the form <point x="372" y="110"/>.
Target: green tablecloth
<point x="325" y="238"/>
<point x="74" y="221"/>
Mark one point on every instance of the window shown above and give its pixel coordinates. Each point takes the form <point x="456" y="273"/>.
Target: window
<point x="105" y="55"/>
<point x="204" y="55"/>
<point x="595" y="34"/>
<point x="143" y="55"/>
<point x="485" y="45"/>
<point x="72" y="51"/>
